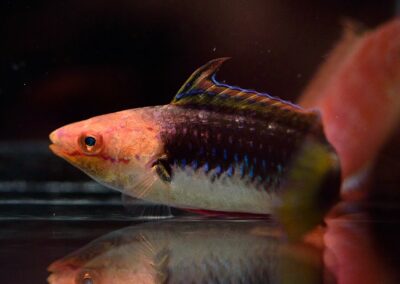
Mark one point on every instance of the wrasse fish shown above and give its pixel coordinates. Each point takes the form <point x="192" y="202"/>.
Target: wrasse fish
<point x="214" y="148"/>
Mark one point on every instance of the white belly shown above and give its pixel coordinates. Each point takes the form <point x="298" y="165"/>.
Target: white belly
<point x="195" y="190"/>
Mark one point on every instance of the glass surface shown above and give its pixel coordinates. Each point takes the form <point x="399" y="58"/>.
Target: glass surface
<point x="353" y="248"/>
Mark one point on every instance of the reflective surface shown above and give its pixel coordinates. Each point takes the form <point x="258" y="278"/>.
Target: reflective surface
<point x="176" y="251"/>
<point x="348" y="249"/>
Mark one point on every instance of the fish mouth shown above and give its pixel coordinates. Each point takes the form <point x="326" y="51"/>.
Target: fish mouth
<point x="56" y="149"/>
<point x="61" y="148"/>
<point x="55" y="146"/>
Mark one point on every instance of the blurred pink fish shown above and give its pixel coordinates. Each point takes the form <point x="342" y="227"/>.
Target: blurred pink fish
<point x="357" y="91"/>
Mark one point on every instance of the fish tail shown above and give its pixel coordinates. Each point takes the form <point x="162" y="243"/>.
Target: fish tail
<point x="312" y="187"/>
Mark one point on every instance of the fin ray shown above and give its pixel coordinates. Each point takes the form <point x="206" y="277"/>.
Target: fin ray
<point x="202" y="90"/>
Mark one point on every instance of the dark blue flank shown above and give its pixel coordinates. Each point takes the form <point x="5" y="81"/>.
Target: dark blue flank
<point x="246" y="170"/>
<point x="226" y="166"/>
<point x="223" y="147"/>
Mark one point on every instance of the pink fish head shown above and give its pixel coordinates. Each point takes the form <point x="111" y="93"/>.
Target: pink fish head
<point x="115" y="149"/>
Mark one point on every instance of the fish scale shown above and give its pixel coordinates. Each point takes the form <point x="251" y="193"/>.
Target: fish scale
<point x="227" y="144"/>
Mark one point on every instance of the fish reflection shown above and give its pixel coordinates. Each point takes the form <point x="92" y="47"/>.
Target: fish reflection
<point x="354" y="252"/>
<point x="190" y="252"/>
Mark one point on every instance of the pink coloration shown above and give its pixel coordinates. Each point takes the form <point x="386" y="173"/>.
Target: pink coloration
<point x="358" y="93"/>
<point x="351" y="253"/>
<point x="111" y="131"/>
<point x="124" y="145"/>
<point x="212" y="213"/>
<point x="177" y="251"/>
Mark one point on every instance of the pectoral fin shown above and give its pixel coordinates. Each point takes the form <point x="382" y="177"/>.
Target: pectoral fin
<point x="163" y="169"/>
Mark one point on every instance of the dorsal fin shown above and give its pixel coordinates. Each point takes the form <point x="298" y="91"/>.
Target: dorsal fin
<point x="199" y="78"/>
<point x="202" y="90"/>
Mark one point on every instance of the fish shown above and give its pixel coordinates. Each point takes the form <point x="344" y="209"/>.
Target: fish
<point x="215" y="149"/>
<point x="353" y="252"/>
<point x="191" y="251"/>
<point x="356" y="90"/>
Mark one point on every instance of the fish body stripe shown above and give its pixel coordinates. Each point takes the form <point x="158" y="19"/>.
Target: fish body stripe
<point x="228" y="146"/>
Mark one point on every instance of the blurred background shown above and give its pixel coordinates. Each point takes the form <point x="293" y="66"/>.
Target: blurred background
<point x="63" y="61"/>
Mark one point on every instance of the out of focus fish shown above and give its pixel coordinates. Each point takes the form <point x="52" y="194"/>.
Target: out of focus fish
<point x="190" y="252"/>
<point x="357" y="91"/>
<point x="353" y="253"/>
<point x="214" y="149"/>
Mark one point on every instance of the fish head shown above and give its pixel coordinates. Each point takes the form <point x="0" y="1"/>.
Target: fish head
<point x="119" y="257"/>
<point x="115" y="149"/>
<point x="103" y="269"/>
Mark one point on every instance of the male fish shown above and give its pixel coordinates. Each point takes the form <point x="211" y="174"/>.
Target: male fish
<point x="214" y="148"/>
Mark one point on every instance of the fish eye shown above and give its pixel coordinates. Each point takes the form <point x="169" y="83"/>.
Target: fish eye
<point x="90" y="144"/>
<point x="90" y="141"/>
<point x="86" y="277"/>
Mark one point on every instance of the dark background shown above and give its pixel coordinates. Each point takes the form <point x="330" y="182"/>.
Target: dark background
<point x="63" y="61"/>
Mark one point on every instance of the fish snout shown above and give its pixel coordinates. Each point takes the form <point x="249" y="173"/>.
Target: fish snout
<point x="55" y="138"/>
